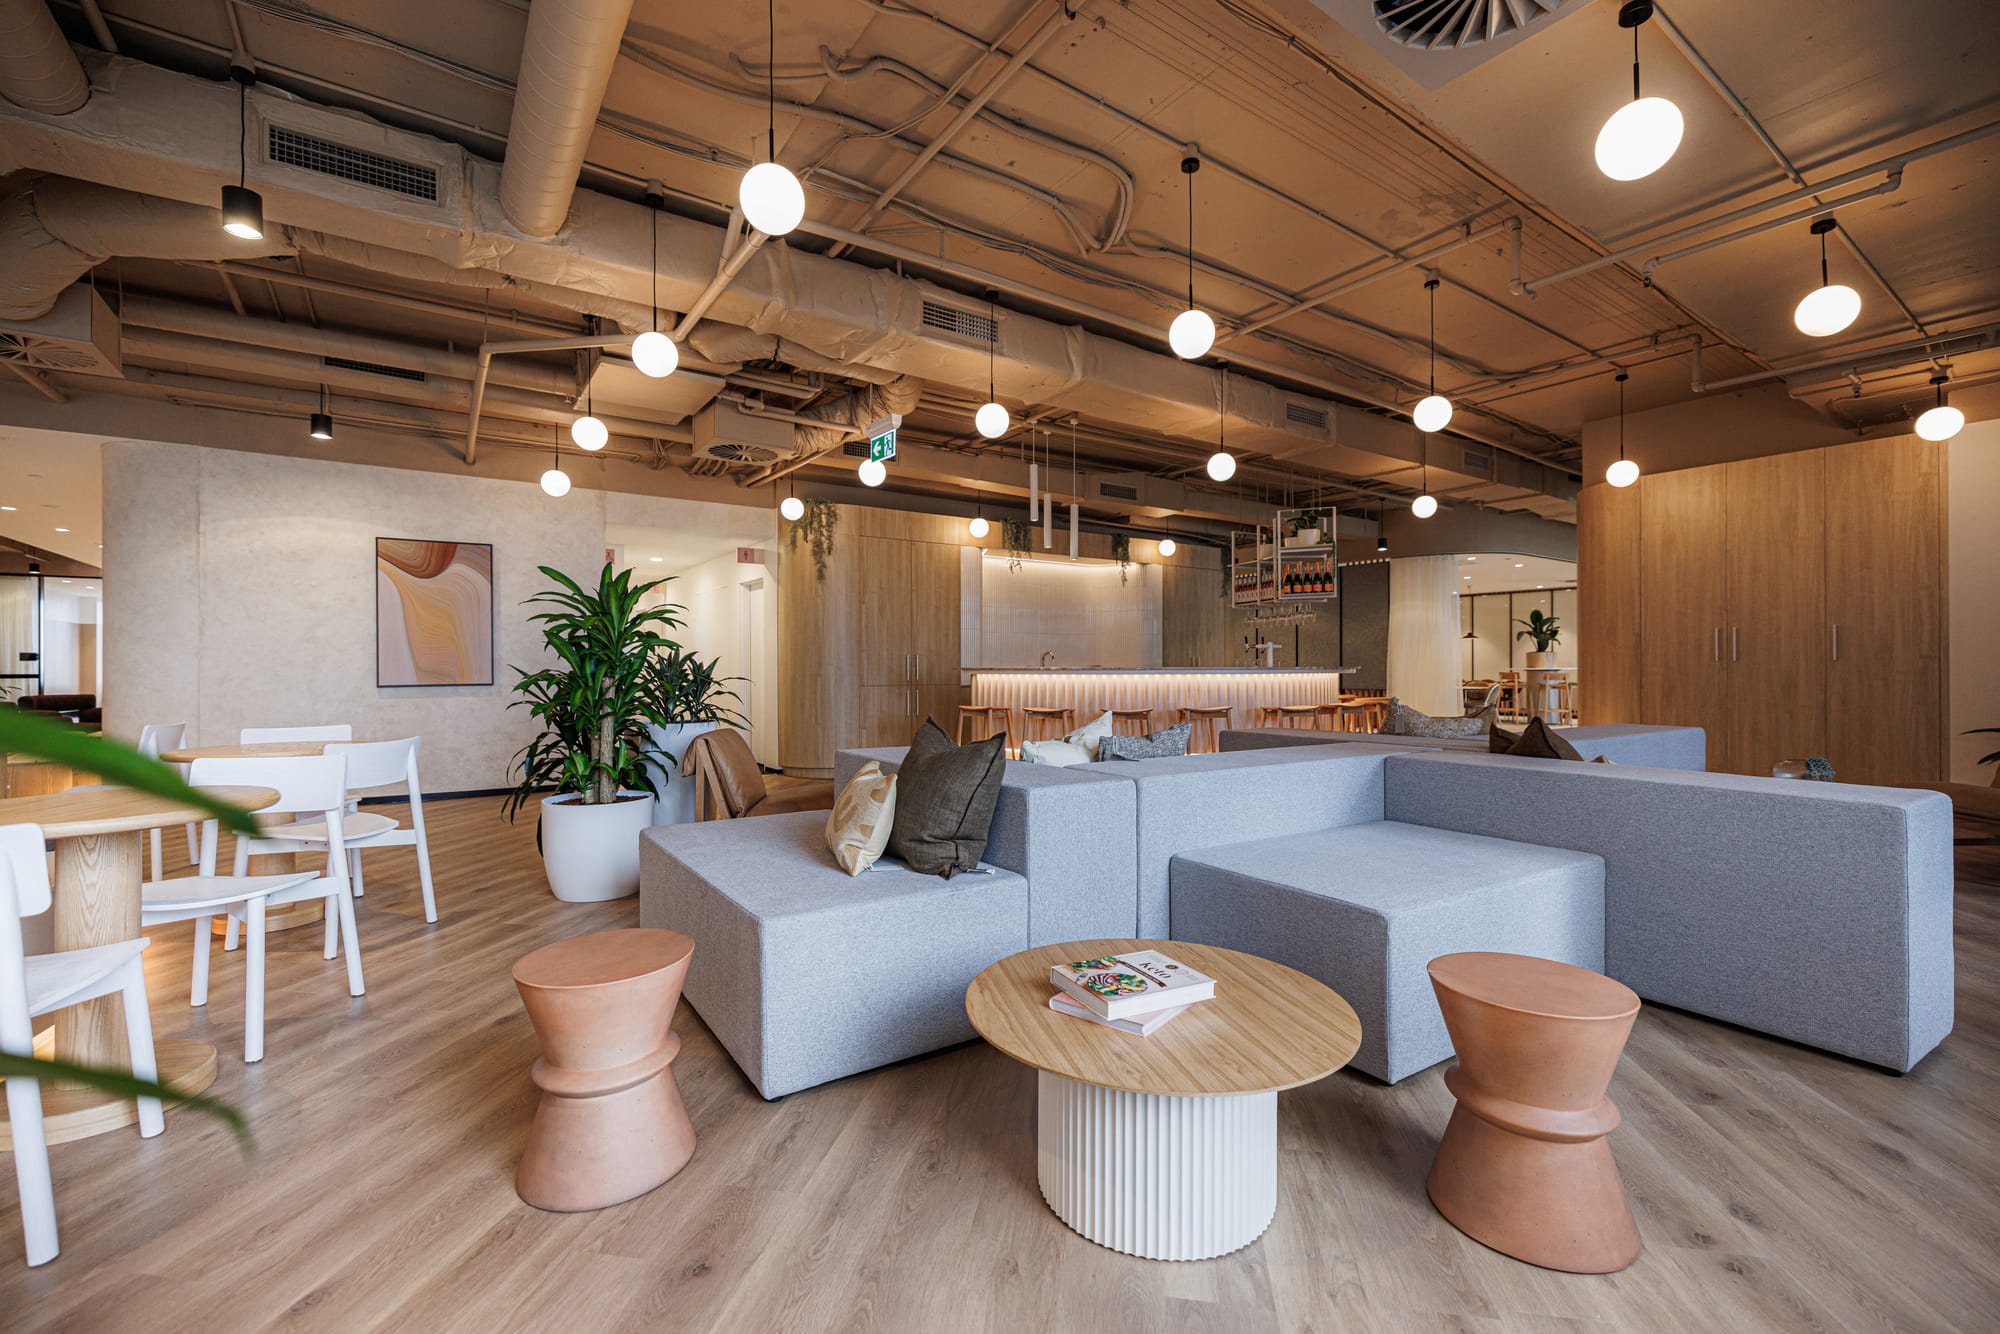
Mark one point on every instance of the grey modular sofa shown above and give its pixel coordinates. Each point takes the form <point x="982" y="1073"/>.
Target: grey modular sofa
<point x="1621" y="743"/>
<point x="1815" y="912"/>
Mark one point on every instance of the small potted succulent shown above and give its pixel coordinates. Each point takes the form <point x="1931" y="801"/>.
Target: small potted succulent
<point x="1546" y="631"/>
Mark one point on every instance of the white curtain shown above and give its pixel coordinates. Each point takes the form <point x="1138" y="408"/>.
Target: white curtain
<point x="1425" y="651"/>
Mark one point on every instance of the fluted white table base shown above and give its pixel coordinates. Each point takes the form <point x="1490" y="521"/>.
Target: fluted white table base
<point x="1158" y="1177"/>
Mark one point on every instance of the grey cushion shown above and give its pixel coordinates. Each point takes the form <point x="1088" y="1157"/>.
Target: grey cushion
<point x="806" y="974"/>
<point x="1625" y="743"/>
<point x="1819" y="912"/>
<point x="1364" y="909"/>
<point x="1406" y="721"/>
<point x="944" y="801"/>
<point x="1154" y="746"/>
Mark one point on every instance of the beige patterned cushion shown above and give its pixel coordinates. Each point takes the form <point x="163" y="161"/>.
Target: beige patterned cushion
<point x="857" y="829"/>
<point x="1406" y="721"/>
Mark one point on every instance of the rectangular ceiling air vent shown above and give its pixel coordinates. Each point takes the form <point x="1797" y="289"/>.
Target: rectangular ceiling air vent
<point x="1478" y="461"/>
<point x="373" y="368"/>
<point x="293" y="148"/>
<point x="1298" y="414"/>
<point x="1116" y="491"/>
<point x="962" y="323"/>
<point x="855" y="449"/>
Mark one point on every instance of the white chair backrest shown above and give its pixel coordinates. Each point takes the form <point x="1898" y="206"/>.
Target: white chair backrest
<point x="24" y="871"/>
<point x="306" y="783"/>
<point x="379" y="763"/>
<point x="332" y="732"/>
<point x="156" y="737"/>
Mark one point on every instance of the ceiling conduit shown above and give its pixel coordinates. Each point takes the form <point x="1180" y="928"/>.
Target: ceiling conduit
<point x="38" y="71"/>
<point x="566" y="61"/>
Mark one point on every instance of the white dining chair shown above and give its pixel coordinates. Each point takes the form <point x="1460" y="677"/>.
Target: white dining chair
<point x="307" y="786"/>
<point x="153" y="739"/>
<point x="375" y="764"/>
<point x="250" y="736"/>
<point x="38" y="984"/>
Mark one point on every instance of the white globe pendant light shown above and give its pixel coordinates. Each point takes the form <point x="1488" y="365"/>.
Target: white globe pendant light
<point x="1433" y="411"/>
<point x="992" y="420"/>
<point x="872" y="472"/>
<point x="1943" y="421"/>
<point x="1831" y="306"/>
<point x="771" y="197"/>
<point x="1642" y="134"/>
<point x="555" y="482"/>
<point x="1168" y="546"/>
<point x="1192" y="333"/>
<point x="1221" y="465"/>
<point x="979" y="527"/>
<point x="1624" y="471"/>
<point x="1424" y="506"/>
<point x="587" y="431"/>
<point x="792" y="508"/>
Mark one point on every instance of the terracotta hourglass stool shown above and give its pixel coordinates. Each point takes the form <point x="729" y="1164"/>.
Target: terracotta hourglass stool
<point x="1524" y="1166"/>
<point x="611" y="1125"/>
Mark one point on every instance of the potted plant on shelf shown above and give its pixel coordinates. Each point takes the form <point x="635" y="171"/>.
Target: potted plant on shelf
<point x="596" y="712"/>
<point x="1546" y="631"/>
<point x="695" y="698"/>
<point x="1305" y="529"/>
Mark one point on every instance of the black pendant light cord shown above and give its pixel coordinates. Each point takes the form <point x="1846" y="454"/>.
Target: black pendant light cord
<point x="656" y="268"/>
<point x="993" y="340"/>
<point x="771" y="79"/>
<point x="1622" y="378"/>
<point x="1635" y="62"/>
<point x="1822" y="259"/>
<point x="1189" y="166"/>
<point x="1431" y="286"/>
<point x="242" y="131"/>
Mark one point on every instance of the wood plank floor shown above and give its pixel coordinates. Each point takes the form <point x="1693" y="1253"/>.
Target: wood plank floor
<point x="1776" y="1187"/>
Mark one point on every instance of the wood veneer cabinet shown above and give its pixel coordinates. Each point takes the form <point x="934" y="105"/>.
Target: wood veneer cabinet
<point x="1791" y="605"/>
<point x="871" y="649"/>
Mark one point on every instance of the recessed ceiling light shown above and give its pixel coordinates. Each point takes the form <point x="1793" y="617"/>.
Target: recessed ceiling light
<point x="656" y="559"/>
<point x="9" y="508"/>
<point x="62" y="530"/>
<point x="1520" y="565"/>
<point x="1471" y="558"/>
<point x="1468" y="578"/>
<point x="1537" y="585"/>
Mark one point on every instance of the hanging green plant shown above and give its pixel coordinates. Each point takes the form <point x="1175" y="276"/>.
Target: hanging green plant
<point x="1016" y="534"/>
<point x="817" y="525"/>
<point x="1121" y="551"/>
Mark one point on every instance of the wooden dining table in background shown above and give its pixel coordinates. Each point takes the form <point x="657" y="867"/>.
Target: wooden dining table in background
<point x="100" y="869"/>
<point x="289" y="915"/>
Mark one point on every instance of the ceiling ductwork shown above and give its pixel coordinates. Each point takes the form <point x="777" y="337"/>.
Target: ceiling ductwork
<point x="79" y="336"/>
<point x="38" y="71"/>
<point x="566" y="61"/>
<point x="178" y="137"/>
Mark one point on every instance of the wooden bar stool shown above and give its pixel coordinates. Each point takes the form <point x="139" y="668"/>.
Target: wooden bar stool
<point x="1267" y="715"/>
<point x="987" y="719"/>
<point x="1298" y="716"/>
<point x="1131" y="722"/>
<point x="1524" y="1166"/>
<point x="1036" y="722"/>
<point x="1203" y="721"/>
<point x="611" y="1124"/>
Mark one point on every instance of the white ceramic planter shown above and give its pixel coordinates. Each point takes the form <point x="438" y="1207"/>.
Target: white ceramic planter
<point x="676" y="792"/>
<point x="591" y="853"/>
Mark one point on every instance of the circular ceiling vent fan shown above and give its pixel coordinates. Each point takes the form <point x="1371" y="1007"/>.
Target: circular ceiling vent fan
<point x="1433" y="25"/>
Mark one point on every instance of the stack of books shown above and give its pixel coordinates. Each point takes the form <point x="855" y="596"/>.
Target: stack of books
<point x="1141" y="992"/>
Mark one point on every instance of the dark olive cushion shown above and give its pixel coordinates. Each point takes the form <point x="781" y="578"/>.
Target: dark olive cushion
<point x="1537" y="741"/>
<point x="945" y="795"/>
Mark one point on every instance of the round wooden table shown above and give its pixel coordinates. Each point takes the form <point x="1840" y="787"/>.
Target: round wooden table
<point x="99" y="870"/>
<point x="1165" y="1146"/>
<point x="286" y="916"/>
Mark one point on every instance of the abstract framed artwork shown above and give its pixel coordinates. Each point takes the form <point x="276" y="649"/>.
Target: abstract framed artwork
<point x="433" y="613"/>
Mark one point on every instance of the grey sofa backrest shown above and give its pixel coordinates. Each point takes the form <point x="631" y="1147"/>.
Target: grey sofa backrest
<point x="1621" y="743"/>
<point x="1069" y="832"/>
<point x="1205" y="801"/>
<point x="1818" y="912"/>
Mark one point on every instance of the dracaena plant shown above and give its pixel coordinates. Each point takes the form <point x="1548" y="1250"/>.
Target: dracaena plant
<point x="61" y="742"/>
<point x="685" y="689"/>
<point x="1546" y="631"/>
<point x="596" y="702"/>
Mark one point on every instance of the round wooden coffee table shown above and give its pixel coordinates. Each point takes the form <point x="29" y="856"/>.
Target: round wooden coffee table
<point x="1524" y="1166"/>
<point x="1165" y="1146"/>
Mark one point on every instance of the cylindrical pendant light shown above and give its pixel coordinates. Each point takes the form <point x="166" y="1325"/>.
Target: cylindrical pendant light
<point x="1192" y="333"/>
<point x="555" y="481"/>
<point x="1222" y="463"/>
<point x="1624" y="472"/>
<point x="587" y="431"/>
<point x="653" y="352"/>
<point x="991" y="419"/>
<point x="242" y="207"/>
<point x="1048" y="503"/>
<point x="1072" y="489"/>
<point x="1433" y="412"/>
<point x="1642" y="134"/>
<point x="772" y="199"/>
<point x="1943" y="421"/>
<point x="321" y="426"/>
<point x="1831" y="306"/>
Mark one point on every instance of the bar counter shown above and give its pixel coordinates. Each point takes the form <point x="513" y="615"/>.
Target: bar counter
<point x="1090" y="691"/>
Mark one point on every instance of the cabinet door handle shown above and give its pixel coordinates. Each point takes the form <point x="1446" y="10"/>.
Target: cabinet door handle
<point x="918" y="674"/>
<point x="1735" y="641"/>
<point x="1718" y="643"/>
<point x="1836" y="643"/>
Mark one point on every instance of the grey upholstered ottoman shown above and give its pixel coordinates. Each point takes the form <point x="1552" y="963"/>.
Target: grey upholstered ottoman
<point x="1363" y="908"/>
<point x="805" y="973"/>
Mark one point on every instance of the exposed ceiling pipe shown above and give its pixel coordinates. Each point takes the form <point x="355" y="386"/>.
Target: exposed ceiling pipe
<point x="1815" y="209"/>
<point x="725" y="272"/>
<point x="1944" y="344"/>
<point x="1895" y="162"/>
<point x="38" y="71"/>
<point x="1059" y="16"/>
<point x="37" y="380"/>
<point x="54" y="230"/>
<point x="483" y="374"/>
<point x="99" y="28"/>
<point x="566" y="60"/>
<point x="419" y="305"/>
<point x="841" y="419"/>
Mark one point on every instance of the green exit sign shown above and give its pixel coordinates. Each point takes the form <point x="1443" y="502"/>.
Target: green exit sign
<point x="882" y="448"/>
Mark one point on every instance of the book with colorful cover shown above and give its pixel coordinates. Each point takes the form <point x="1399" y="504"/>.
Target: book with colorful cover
<point x="1119" y="986"/>
<point x="1145" y="1025"/>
